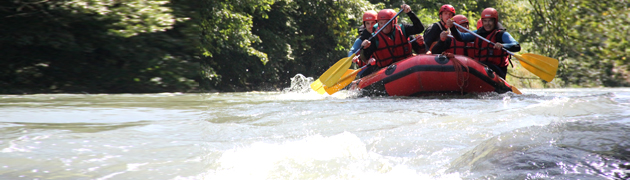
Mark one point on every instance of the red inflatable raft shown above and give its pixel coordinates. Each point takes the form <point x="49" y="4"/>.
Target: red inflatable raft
<point x="423" y="75"/>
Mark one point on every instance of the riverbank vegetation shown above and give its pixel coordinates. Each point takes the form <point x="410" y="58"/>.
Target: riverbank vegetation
<point x="137" y="46"/>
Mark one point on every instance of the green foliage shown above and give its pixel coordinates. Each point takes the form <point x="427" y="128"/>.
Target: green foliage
<point x="274" y="40"/>
<point x="228" y="25"/>
<point x="226" y="40"/>
<point x="131" y="16"/>
<point x="92" y="46"/>
<point x="589" y="37"/>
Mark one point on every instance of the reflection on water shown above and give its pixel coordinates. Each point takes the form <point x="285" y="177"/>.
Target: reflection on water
<point x="299" y="134"/>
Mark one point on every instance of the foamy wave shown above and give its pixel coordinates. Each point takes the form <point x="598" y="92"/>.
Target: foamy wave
<point x="342" y="156"/>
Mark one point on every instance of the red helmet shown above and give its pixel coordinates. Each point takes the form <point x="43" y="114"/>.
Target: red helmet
<point x="459" y="19"/>
<point x="447" y="8"/>
<point x="479" y="24"/>
<point x="490" y="13"/>
<point x="387" y="14"/>
<point x="369" y="15"/>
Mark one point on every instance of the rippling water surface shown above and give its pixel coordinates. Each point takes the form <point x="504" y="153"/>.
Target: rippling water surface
<point x="543" y="134"/>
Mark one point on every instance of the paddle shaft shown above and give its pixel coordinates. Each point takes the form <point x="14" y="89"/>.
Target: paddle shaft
<point x="414" y="39"/>
<point x="374" y="35"/>
<point x="475" y="34"/>
<point x="357" y="71"/>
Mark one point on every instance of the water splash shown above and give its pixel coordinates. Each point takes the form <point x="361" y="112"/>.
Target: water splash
<point x="299" y="84"/>
<point x="301" y="89"/>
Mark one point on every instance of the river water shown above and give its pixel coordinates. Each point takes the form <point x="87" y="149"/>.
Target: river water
<point x="542" y="134"/>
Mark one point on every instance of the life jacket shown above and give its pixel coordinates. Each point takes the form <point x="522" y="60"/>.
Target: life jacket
<point x="462" y="48"/>
<point x="487" y="53"/>
<point x="391" y="50"/>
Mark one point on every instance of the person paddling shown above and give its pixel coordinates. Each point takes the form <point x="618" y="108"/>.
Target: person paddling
<point x="432" y="34"/>
<point x="392" y="44"/>
<point x="450" y="45"/>
<point x="491" y="55"/>
<point x="369" y="21"/>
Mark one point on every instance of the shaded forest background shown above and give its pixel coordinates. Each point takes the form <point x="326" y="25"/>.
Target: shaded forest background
<point x="141" y="46"/>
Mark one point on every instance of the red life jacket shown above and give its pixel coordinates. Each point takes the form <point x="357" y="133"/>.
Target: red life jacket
<point x="390" y="50"/>
<point x="462" y="48"/>
<point x="486" y="51"/>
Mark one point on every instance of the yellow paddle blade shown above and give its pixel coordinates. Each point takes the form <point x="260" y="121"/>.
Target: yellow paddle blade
<point x="318" y="86"/>
<point x="516" y="91"/>
<point x="347" y="78"/>
<point x="541" y="66"/>
<point x="332" y="75"/>
<point x="543" y="59"/>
